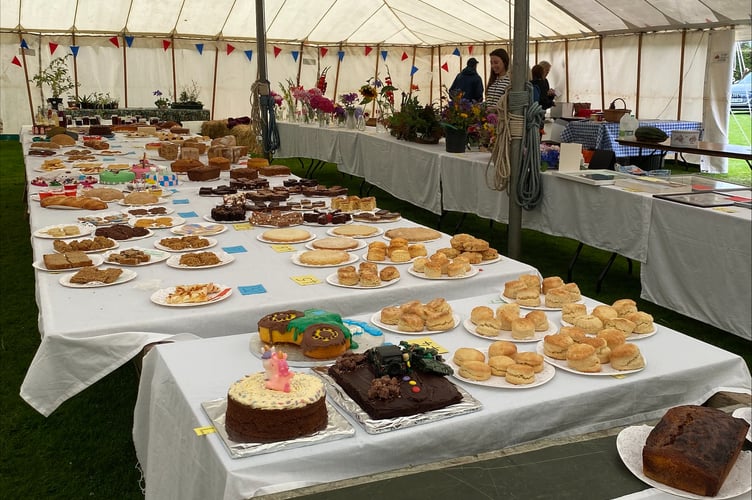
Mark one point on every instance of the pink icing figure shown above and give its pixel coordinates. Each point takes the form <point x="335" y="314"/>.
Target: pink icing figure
<point x="280" y="373"/>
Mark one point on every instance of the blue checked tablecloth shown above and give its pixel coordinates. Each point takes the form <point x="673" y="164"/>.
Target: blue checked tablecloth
<point x="603" y="135"/>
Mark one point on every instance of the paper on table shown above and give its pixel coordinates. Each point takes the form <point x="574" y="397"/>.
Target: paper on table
<point x="570" y="154"/>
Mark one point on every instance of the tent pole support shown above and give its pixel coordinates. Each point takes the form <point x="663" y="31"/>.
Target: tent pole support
<point x="600" y="61"/>
<point x="26" y="77"/>
<point x="639" y="68"/>
<point x="125" y="72"/>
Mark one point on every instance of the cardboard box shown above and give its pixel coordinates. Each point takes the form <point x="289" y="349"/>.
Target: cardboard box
<point x="685" y="138"/>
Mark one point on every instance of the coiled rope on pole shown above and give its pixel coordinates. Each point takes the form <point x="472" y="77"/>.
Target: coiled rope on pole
<point x="529" y="191"/>
<point x="262" y="112"/>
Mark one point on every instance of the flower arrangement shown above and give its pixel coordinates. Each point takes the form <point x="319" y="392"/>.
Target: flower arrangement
<point x="321" y="103"/>
<point x="161" y="102"/>
<point x="380" y="92"/>
<point x="462" y="114"/>
<point x="415" y="122"/>
<point x="349" y="100"/>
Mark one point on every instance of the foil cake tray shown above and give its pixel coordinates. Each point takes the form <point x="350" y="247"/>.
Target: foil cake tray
<point x="373" y="426"/>
<point x="337" y="428"/>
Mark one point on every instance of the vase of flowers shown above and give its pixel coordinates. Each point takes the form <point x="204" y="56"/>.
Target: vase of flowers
<point x="382" y="93"/>
<point x="161" y="102"/>
<point x="459" y="117"/>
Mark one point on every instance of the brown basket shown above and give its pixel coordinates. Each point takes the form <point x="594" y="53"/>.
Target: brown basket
<point x="614" y="115"/>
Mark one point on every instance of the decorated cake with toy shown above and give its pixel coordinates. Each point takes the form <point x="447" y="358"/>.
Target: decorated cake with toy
<point x="320" y="334"/>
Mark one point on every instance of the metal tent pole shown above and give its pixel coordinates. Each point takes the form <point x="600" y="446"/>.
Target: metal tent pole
<point x="268" y="125"/>
<point x="519" y="78"/>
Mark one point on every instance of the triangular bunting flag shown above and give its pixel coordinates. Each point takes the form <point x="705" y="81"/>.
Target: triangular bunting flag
<point x="230" y="48"/>
<point x="248" y="54"/>
<point x="295" y="54"/>
<point x="413" y="70"/>
<point x="53" y="48"/>
<point x="24" y="45"/>
<point x="323" y="51"/>
<point x="341" y="55"/>
<point x="277" y="50"/>
<point x="368" y="49"/>
<point x="470" y="49"/>
<point x="165" y="44"/>
<point x="384" y="53"/>
<point x="404" y="55"/>
<point x="16" y="61"/>
<point x="200" y="48"/>
<point x="129" y="40"/>
<point x="74" y="50"/>
<point x="115" y="41"/>
<point x="456" y="52"/>
<point x="445" y="67"/>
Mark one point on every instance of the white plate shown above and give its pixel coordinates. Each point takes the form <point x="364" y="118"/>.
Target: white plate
<point x="176" y="221"/>
<point x="331" y="232"/>
<point x="386" y="262"/>
<point x="377" y="221"/>
<point x="212" y="243"/>
<point x="472" y="272"/>
<point x="199" y="229"/>
<point x="83" y="230"/>
<point x="126" y="211"/>
<point x="507" y="335"/>
<point x="296" y="260"/>
<point x="113" y="247"/>
<point x="160" y="297"/>
<point x="746" y="415"/>
<point x="263" y="240"/>
<point x="490" y="261"/>
<point x="375" y="319"/>
<point x="631" y="441"/>
<point x="160" y="201"/>
<point x="156" y="256"/>
<point x="536" y="308"/>
<point x="98" y="219"/>
<point x="224" y="258"/>
<point x="148" y="234"/>
<point x="631" y="336"/>
<point x="332" y="280"/>
<point x="208" y="218"/>
<point x="39" y="264"/>
<point x="500" y="382"/>
<point x="126" y="276"/>
<point x="606" y="369"/>
<point x="387" y="238"/>
<point x="361" y="244"/>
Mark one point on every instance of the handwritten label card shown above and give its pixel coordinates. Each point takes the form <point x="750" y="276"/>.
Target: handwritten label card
<point x="242" y="226"/>
<point x="203" y="431"/>
<point x="429" y="343"/>
<point x="305" y="280"/>
<point x="284" y="248"/>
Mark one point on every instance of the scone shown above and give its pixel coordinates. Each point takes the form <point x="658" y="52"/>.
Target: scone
<point x="529" y="297"/>
<point x="531" y="359"/>
<point x="475" y="370"/>
<point x="518" y="374"/>
<point x="613" y="336"/>
<point x="602" y="350"/>
<point x="410" y="323"/>
<point x="589" y="323"/>
<point x="390" y="315"/>
<point x="624" y="306"/>
<point x="623" y="324"/>
<point x="389" y="273"/>
<point x="511" y="288"/>
<point x="627" y="357"/>
<point x="551" y="282"/>
<point x="439" y="304"/>
<point x="531" y="281"/>
<point x="502" y="348"/>
<point x="522" y="329"/>
<point x="489" y="327"/>
<point x="571" y="310"/>
<point x="539" y="319"/>
<point x="347" y="276"/>
<point x="582" y="357"/>
<point x="465" y="355"/>
<point x="499" y="365"/>
<point x="642" y="320"/>
<point x="556" y="346"/>
<point x="439" y="321"/>
<point x="480" y="313"/>
<point x="369" y="279"/>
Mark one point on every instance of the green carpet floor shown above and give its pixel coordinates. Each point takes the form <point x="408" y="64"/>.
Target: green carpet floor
<point x="84" y="449"/>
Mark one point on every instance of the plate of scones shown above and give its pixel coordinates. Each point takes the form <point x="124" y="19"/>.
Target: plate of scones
<point x="417" y="318"/>
<point x="591" y="356"/>
<point x="500" y="366"/>
<point x="366" y="276"/>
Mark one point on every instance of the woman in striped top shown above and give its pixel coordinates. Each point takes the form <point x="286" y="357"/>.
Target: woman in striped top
<point x="499" y="80"/>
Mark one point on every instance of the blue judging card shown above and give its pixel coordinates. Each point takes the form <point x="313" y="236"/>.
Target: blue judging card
<point x="251" y="289"/>
<point x="186" y="215"/>
<point x="235" y="249"/>
<point x="180" y="202"/>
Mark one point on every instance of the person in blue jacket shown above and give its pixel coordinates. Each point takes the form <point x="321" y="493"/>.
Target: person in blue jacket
<point x="542" y="93"/>
<point x="468" y="82"/>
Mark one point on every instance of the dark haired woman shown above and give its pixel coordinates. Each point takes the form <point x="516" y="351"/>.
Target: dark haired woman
<point x="499" y="80"/>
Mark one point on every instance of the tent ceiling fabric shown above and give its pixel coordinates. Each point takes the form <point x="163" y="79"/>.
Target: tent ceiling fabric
<point x="388" y="22"/>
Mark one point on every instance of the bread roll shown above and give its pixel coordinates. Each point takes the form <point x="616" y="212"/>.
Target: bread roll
<point x="502" y="348"/>
<point x="518" y="374"/>
<point x="627" y="357"/>
<point x="475" y="370"/>
<point x="499" y="365"/>
<point x="582" y="357"/>
<point x="464" y="355"/>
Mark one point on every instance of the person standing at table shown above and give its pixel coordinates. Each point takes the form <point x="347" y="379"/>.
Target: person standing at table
<point x="499" y="80"/>
<point x="468" y="82"/>
<point x="543" y="95"/>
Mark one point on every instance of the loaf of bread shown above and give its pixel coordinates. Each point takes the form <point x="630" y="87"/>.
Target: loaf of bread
<point x="693" y="448"/>
<point x="73" y="202"/>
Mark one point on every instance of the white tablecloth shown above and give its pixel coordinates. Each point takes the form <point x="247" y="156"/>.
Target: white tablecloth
<point x="87" y="333"/>
<point x="178" y="377"/>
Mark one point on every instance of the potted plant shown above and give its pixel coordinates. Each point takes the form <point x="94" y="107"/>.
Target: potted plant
<point x="188" y="98"/>
<point x="415" y="122"/>
<point x="56" y="77"/>
<point x="161" y="102"/>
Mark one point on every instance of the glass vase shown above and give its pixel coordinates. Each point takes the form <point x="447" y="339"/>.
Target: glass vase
<point x="350" y="121"/>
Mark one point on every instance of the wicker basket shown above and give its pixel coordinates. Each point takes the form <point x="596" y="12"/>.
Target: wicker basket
<point x="614" y="115"/>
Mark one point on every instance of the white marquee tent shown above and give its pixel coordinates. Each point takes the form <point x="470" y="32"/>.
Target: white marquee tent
<point x="665" y="58"/>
